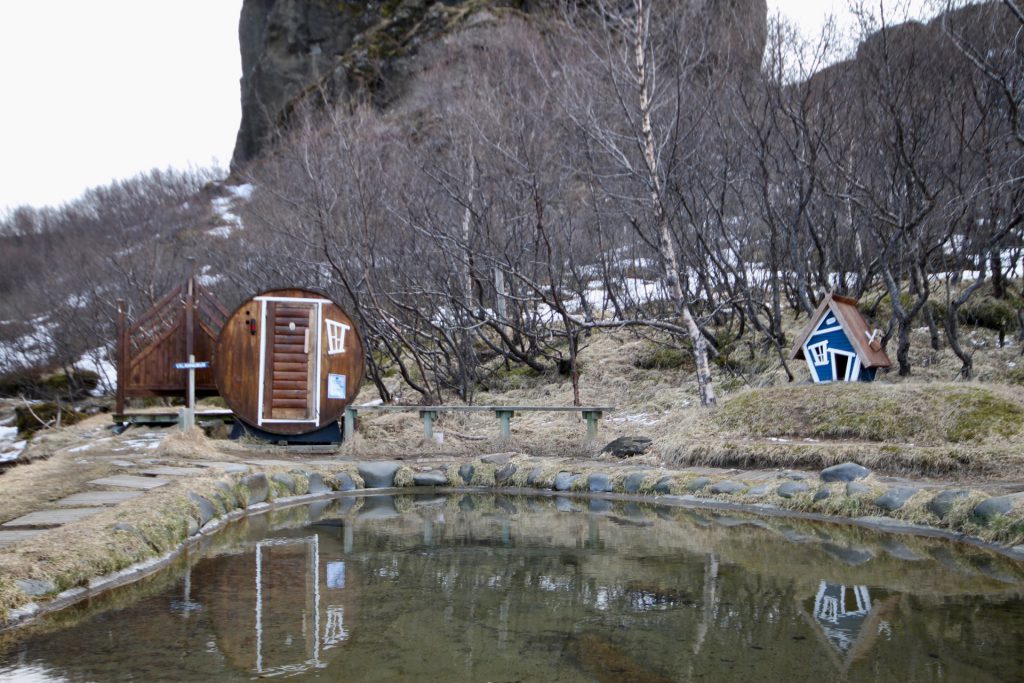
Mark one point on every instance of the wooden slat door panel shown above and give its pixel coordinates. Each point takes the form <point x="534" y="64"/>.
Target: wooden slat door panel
<point x="290" y="372"/>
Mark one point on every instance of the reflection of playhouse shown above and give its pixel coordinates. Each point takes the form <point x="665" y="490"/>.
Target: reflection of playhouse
<point x="837" y="344"/>
<point x="849" y="621"/>
<point x="841" y="611"/>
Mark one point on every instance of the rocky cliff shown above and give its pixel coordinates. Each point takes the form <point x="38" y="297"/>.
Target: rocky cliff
<point x="334" y="50"/>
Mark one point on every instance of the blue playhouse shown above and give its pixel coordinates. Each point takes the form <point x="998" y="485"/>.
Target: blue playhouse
<point x="838" y="345"/>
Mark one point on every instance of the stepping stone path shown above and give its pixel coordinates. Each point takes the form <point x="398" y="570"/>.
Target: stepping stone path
<point x="51" y="518"/>
<point x="173" y="471"/>
<point x="92" y="498"/>
<point x="131" y="481"/>
<point x="11" y="537"/>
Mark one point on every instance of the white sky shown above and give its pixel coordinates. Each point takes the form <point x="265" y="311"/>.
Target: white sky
<point x="96" y="90"/>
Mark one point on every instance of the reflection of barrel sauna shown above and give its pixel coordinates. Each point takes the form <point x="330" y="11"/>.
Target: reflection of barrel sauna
<point x="288" y="361"/>
<point x="284" y="608"/>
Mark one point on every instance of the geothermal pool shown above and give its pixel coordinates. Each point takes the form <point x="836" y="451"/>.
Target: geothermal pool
<point x="542" y="588"/>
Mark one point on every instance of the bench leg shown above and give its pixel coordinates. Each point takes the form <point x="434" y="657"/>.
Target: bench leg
<point x="350" y="423"/>
<point x="592" y="417"/>
<point x="428" y="423"/>
<point x="506" y="423"/>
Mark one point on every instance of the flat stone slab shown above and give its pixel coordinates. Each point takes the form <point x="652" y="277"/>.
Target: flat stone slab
<point x="131" y="481"/>
<point x="93" y="498"/>
<point x="229" y="467"/>
<point x="46" y="518"/>
<point x="166" y="471"/>
<point x="13" y="536"/>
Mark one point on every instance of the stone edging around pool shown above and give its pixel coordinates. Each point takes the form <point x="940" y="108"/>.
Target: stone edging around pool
<point x="791" y="494"/>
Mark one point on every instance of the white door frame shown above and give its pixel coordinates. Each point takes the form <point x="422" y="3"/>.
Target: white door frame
<point x="852" y="367"/>
<point x="315" y="330"/>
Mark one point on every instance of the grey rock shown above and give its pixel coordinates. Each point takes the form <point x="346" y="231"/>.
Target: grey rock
<point x="345" y="482"/>
<point x="634" y="481"/>
<point x="466" y="472"/>
<point x="431" y="478"/>
<point x="795" y="476"/>
<point x="895" y="498"/>
<point x="497" y="458"/>
<point x="35" y="587"/>
<point x="505" y="473"/>
<point x="599" y="482"/>
<point x="317" y="483"/>
<point x="599" y="506"/>
<point x="533" y="476"/>
<point x="697" y="484"/>
<point x="128" y="528"/>
<point x="193" y="526"/>
<point x="760" y="490"/>
<point x="258" y="488"/>
<point x="379" y="474"/>
<point x="990" y="508"/>
<point x="206" y="509"/>
<point x="854" y="489"/>
<point x="941" y="504"/>
<point x="563" y="480"/>
<point x="850" y="555"/>
<point x="227" y="495"/>
<point x="822" y="494"/>
<point x="627" y="446"/>
<point x="728" y="487"/>
<point x="664" y="485"/>
<point x="284" y="480"/>
<point x="788" y="489"/>
<point x="848" y="471"/>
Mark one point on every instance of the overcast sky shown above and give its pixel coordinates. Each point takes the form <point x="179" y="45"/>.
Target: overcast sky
<point x="99" y="90"/>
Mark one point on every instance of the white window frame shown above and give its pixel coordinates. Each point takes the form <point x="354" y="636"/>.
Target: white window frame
<point x="819" y="353"/>
<point x="336" y="332"/>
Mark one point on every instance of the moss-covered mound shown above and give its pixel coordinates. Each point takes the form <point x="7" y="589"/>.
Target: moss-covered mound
<point x="905" y="413"/>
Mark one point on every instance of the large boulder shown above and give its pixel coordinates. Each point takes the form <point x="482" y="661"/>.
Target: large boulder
<point x="848" y="471"/>
<point x="257" y="486"/>
<point x="378" y="474"/>
<point x="627" y="446"/>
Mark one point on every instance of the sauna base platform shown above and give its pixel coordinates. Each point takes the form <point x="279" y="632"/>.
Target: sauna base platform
<point x="327" y="435"/>
<point x="168" y="419"/>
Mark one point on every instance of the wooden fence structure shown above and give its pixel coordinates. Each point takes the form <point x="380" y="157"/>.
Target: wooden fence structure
<point x="185" y="322"/>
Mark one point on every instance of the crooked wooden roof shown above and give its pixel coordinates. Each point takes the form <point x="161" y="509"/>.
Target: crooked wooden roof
<point x="853" y="324"/>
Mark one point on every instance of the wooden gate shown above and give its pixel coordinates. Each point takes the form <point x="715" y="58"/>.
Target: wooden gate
<point x="185" y="322"/>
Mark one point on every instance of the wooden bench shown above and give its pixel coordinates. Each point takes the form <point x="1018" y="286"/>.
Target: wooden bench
<point x="592" y="414"/>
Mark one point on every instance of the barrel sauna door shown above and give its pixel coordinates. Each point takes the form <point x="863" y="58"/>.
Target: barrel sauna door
<point x="291" y="351"/>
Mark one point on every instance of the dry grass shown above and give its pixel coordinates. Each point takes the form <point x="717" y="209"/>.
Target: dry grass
<point x="926" y="414"/>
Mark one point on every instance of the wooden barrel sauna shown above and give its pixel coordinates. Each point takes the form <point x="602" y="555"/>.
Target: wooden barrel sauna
<point x="288" y="361"/>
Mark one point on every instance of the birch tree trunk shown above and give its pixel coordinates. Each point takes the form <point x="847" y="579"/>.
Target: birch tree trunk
<point x="666" y="247"/>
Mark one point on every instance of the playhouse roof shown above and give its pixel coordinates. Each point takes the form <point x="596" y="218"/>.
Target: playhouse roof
<point x="853" y="324"/>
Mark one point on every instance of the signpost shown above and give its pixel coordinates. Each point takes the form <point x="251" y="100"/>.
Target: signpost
<point x="187" y="419"/>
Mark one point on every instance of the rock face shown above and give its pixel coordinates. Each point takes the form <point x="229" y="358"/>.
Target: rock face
<point x="367" y="49"/>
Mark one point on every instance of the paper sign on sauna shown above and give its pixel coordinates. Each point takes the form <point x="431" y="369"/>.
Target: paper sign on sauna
<point x="336" y="386"/>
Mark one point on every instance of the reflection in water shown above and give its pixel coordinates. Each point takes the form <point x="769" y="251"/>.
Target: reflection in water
<point x="476" y="588"/>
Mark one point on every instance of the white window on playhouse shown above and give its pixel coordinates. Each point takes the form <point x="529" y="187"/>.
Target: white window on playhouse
<point x="819" y="353"/>
<point x="336" y="336"/>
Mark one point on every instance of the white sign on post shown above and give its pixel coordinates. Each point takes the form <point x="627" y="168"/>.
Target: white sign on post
<point x="188" y="418"/>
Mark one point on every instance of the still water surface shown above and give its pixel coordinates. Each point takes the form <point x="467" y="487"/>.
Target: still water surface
<point x="495" y="588"/>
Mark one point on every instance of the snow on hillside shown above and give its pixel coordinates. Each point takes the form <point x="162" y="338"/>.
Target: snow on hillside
<point x="225" y="207"/>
